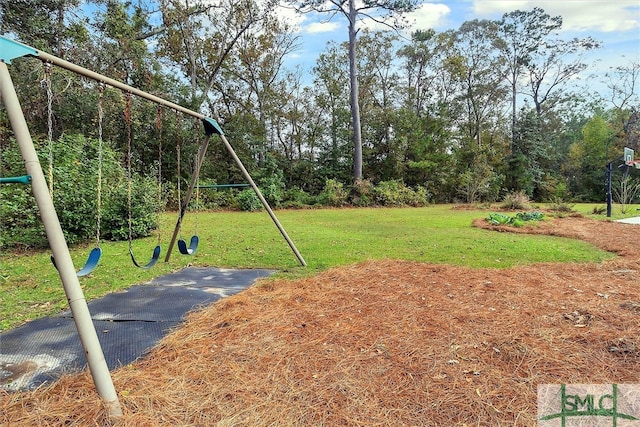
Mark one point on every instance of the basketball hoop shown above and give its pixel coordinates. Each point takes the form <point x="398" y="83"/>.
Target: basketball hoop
<point x="628" y="157"/>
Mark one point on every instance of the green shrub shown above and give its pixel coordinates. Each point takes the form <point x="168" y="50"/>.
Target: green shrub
<point x="499" y="219"/>
<point x="144" y="209"/>
<point x="516" y="200"/>
<point x="333" y="194"/>
<point x="388" y="193"/>
<point x="248" y="201"/>
<point x="479" y="183"/>
<point x="419" y="197"/>
<point x="297" y="198"/>
<point x="19" y="218"/>
<point x="272" y="191"/>
<point x="530" y="216"/>
<point x="216" y="199"/>
<point x="75" y="160"/>
<point x="270" y="179"/>
<point x="518" y="220"/>
<point x="362" y="193"/>
<point x="557" y="205"/>
<point x="395" y="193"/>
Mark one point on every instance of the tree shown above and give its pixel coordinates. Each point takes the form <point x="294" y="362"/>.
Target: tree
<point x="623" y="82"/>
<point x="383" y="153"/>
<point x="294" y="120"/>
<point x="556" y="62"/>
<point x="424" y="123"/>
<point x="522" y="33"/>
<point x="125" y="54"/>
<point x="588" y="157"/>
<point x="43" y="24"/>
<point x="480" y="99"/>
<point x="386" y="12"/>
<point x="426" y="77"/>
<point x="331" y="87"/>
<point x="538" y="64"/>
<point x="199" y="37"/>
<point x="250" y="83"/>
<point x="481" y="85"/>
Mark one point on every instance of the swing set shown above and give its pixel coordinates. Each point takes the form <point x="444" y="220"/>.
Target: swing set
<point x="96" y="252"/>
<point x="10" y="50"/>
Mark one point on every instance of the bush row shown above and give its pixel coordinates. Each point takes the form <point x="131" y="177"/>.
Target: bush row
<point x="75" y="177"/>
<point x="334" y="194"/>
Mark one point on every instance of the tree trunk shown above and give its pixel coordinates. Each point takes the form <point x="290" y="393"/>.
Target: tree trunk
<point x="514" y="100"/>
<point x="355" y="106"/>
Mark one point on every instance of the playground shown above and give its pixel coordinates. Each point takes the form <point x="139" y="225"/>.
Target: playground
<point x="382" y="342"/>
<point x="384" y="339"/>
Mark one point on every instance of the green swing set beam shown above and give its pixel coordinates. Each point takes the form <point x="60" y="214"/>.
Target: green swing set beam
<point x="216" y="186"/>
<point x="24" y="179"/>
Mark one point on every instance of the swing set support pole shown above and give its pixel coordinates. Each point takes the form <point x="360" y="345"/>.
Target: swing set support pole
<point x="264" y="202"/>
<point x="77" y="302"/>
<point x="185" y="203"/>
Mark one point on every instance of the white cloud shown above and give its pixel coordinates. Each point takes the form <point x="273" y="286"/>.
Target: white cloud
<point x="429" y="15"/>
<point x="289" y="15"/>
<point x="577" y="15"/>
<point x="605" y="16"/>
<point x="489" y="8"/>
<point x="321" y="27"/>
<point x="425" y="16"/>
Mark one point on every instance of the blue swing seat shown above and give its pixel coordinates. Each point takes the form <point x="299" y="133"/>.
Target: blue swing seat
<point x="152" y="261"/>
<point x="90" y="265"/>
<point x="193" y="245"/>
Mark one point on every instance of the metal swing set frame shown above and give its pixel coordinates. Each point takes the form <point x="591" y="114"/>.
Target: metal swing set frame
<point x="9" y="50"/>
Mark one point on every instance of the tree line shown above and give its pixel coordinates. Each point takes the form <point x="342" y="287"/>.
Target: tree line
<point x="469" y="114"/>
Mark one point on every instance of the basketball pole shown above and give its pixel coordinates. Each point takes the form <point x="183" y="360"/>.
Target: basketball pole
<point x="609" y="176"/>
<point x="627" y="158"/>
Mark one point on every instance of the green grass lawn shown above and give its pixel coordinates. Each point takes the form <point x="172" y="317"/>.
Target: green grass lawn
<point x="30" y="286"/>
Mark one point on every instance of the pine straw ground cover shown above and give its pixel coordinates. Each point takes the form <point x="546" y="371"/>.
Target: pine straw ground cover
<point x="381" y="343"/>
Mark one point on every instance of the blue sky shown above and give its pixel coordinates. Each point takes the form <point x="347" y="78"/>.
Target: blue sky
<point x="615" y="23"/>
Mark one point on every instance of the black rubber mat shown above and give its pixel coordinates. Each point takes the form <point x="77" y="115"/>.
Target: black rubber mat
<point x="128" y="325"/>
<point x="45" y="348"/>
<point x="219" y="280"/>
<point x="148" y="303"/>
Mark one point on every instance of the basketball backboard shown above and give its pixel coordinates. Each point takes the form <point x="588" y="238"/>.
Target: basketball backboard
<point x="628" y="156"/>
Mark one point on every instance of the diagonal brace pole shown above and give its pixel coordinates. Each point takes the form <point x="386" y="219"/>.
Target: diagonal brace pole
<point x="187" y="198"/>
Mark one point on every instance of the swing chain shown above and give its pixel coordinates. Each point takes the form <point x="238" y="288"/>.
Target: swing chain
<point x="197" y="170"/>
<point x="99" y="183"/>
<point x="178" y="160"/>
<point x="195" y="227"/>
<point x="127" y="119"/>
<point x="46" y="84"/>
<point x="159" y="127"/>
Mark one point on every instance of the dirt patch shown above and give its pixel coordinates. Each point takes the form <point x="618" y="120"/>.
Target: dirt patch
<point x="12" y="371"/>
<point x="381" y="343"/>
